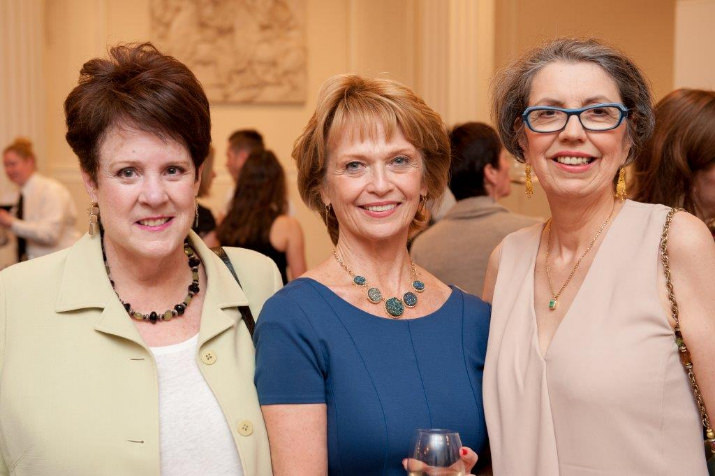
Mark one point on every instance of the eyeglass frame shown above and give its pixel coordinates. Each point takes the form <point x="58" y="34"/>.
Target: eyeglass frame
<point x="575" y="112"/>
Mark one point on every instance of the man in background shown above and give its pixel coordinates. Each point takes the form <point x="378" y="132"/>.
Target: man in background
<point x="240" y="145"/>
<point x="44" y="217"/>
<point x="457" y="248"/>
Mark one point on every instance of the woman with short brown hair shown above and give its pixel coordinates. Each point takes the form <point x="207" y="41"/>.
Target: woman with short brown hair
<point x="141" y="357"/>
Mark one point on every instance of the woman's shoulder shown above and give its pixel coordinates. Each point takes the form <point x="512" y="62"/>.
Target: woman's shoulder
<point x="298" y="294"/>
<point x="285" y="224"/>
<point x="474" y="306"/>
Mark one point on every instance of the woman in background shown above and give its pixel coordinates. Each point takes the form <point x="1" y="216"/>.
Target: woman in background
<point x="677" y="166"/>
<point x="258" y="218"/>
<point x="205" y="223"/>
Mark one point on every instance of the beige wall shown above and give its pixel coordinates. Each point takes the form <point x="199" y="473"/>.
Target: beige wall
<point x="78" y="30"/>
<point x="405" y="40"/>
<point x="446" y="50"/>
<point x="694" y="40"/>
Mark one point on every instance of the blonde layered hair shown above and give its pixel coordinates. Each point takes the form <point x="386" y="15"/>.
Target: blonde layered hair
<point x="351" y="104"/>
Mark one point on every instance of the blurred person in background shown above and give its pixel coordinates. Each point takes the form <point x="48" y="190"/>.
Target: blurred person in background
<point x="205" y="223"/>
<point x="241" y="143"/>
<point x="456" y="249"/>
<point x="45" y="216"/>
<point x="677" y="166"/>
<point x="258" y="219"/>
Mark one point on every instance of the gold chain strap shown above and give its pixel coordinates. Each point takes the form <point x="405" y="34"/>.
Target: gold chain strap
<point x="683" y="350"/>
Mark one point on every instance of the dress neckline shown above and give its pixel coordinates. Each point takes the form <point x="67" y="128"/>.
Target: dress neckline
<point x="577" y="297"/>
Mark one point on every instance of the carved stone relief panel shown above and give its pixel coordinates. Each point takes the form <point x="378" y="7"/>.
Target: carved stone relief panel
<point x="242" y="51"/>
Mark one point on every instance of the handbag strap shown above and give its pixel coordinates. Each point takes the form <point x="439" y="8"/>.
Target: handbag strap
<point x="683" y="350"/>
<point x="245" y="310"/>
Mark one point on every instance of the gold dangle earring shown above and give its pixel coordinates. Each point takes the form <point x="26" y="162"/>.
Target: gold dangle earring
<point x="196" y="217"/>
<point x="327" y="212"/>
<point x="93" y="212"/>
<point x="621" y="185"/>
<point x="528" y="184"/>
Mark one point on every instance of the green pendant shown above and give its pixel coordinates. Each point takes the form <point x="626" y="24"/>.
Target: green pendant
<point x="553" y="304"/>
<point x="394" y="307"/>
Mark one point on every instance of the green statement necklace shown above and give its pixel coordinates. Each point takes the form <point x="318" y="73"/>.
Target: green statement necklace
<point x="394" y="306"/>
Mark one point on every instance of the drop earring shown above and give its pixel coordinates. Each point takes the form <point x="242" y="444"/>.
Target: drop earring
<point x="528" y="184"/>
<point x="196" y="213"/>
<point x="621" y="193"/>
<point x="93" y="212"/>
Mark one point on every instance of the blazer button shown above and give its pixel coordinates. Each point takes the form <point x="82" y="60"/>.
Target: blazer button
<point x="208" y="357"/>
<point x="245" y="428"/>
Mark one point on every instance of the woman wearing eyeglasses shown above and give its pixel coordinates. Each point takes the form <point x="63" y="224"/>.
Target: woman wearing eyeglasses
<point x="582" y="374"/>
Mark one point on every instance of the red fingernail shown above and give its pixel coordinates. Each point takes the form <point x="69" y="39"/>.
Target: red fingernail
<point x="464" y="451"/>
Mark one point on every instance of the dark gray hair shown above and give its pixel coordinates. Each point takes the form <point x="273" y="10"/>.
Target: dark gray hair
<point x="512" y="87"/>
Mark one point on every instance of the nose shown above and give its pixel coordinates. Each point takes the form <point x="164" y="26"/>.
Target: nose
<point x="380" y="182"/>
<point x="153" y="192"/>
<point x="573" y="129"/>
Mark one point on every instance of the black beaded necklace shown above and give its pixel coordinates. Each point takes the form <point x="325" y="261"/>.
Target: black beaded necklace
<point x="178" y="309"/>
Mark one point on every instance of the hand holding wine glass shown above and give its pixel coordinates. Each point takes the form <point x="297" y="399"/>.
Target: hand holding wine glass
<point x="437" y="452"/>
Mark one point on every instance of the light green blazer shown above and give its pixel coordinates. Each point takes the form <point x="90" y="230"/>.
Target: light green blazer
<point x="78" y="387"/>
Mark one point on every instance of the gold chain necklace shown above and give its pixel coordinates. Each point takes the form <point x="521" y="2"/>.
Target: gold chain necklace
<point x="554" y="301"/>
<point x="394" y="306"/>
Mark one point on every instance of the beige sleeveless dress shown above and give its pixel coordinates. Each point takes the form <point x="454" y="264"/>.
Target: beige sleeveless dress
<point x="610" y="396"/>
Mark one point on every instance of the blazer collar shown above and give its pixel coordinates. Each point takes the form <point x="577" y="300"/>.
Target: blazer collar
<point x="85" y="285"/>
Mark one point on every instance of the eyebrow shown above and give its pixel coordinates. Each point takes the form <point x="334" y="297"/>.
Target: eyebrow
<point x="389" y="153"/>
<point x="547" y="101"/>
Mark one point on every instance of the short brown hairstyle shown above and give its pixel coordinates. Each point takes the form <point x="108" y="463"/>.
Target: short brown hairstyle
<point x="682" y="145"/>
<point x="351" y="101"/>
<point x="512" y="87"/>
<point x="137" y="87"/>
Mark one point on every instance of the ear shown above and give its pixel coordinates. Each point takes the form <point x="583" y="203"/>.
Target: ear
<point x="197" y="181"/>
<point x="628" y="147"/>
<point x="490" y="174"/>
<point x="90" y="186"/>
<point x="324" y="196"/>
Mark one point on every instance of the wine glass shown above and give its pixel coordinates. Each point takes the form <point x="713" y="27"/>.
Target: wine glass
<point x="435" y="452"/>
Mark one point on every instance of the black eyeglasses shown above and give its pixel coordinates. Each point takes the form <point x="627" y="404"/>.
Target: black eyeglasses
<point x="598" y="117"/>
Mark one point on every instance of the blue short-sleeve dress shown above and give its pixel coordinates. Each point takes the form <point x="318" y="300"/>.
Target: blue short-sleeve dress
<point x="380" y="378"/>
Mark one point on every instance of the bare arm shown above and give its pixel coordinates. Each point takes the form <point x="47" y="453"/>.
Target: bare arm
<point x="287" y="236"/>
<point x="490" y="279"/>
<point x="295" y="251"/>
<point x="692" y="263"/>
<point x="298" y="438"/>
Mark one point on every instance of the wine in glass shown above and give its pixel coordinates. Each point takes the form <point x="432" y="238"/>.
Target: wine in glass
<point x="435" y="452"/>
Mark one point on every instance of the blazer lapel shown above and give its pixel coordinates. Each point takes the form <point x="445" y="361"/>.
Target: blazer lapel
<point x="85" y="285"/>
<point x="223" y="294"/>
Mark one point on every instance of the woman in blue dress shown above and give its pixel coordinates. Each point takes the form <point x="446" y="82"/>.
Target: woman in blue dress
<point x="365" y="348"/>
